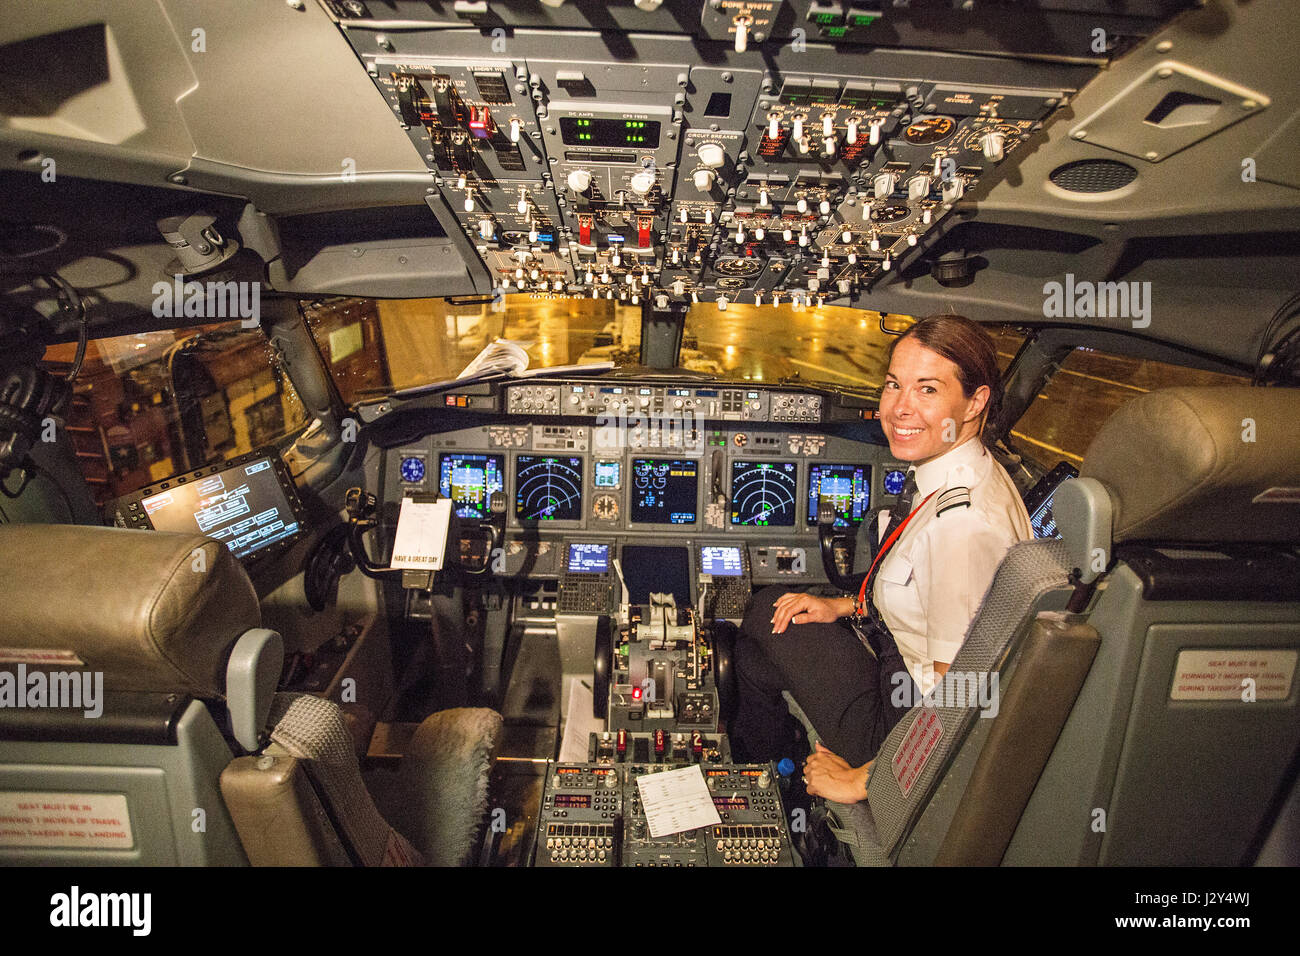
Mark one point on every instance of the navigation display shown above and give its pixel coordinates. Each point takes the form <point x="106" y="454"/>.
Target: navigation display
<point x="721" y="562"/>
<point x="469" y="480"/>
<point x="763" y="493"/>
<point x="548" y="488"/>
<point x="244" y="507"/>
<point x="588" y="558"/>
<point x="664" y="490"/>
<point x="848" y="487"/>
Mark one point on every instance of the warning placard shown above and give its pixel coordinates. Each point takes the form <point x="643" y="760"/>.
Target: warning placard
<point x="83" y="820"/>
<point x="1236" y="673"/>
<point x="915" y="749"/>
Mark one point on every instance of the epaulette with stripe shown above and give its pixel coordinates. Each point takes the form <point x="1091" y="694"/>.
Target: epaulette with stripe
<point x="952" y="498"/>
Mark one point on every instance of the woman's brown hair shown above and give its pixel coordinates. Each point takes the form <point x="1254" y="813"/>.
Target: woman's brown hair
<point x="970" y="348"/>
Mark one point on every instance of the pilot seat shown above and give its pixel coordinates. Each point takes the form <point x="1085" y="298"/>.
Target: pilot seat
<point x="1146" y="707"/>
<point x="189" y="756"/>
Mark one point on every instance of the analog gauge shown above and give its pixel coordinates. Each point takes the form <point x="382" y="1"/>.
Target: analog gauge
<point x="412" y="470"/>
<point x="741" y="439"/>
<point x="890" y="213"/>
<point x="932" y="129"/>
<point x="605" y="508"/>
<point x="894" y="481"/>
<point x="744" y="268"/>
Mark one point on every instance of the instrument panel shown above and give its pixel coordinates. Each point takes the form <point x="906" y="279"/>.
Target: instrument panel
<point x="729" y="166"/>
<point x="651" y="463"/>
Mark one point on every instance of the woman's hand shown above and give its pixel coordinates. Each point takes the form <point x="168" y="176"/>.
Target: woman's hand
<point x="807" y="609"/>
<point x="827" y="775"/>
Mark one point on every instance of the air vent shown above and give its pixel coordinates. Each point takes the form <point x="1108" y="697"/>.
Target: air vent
<point x="1093" y="176"/>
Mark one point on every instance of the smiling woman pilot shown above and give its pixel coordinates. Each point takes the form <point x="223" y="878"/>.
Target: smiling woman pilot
<point x="938" y="549"/>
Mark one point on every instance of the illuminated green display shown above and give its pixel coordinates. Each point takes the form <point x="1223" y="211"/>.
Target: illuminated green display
<point x="584" y="131"/>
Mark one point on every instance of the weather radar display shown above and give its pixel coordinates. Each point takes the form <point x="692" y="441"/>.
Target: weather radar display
<point x="763" y="493"/>
<point x="548" y="488"/>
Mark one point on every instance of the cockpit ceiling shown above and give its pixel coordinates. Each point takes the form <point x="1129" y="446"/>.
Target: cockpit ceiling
<point x="398" y="148"/>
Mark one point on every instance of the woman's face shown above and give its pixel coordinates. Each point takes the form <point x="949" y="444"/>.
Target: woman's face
<point x="922" y="409"/>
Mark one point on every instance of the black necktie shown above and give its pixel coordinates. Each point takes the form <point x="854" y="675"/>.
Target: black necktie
<point x="902" y="508"/>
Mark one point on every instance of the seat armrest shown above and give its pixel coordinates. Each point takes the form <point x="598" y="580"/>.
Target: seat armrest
<point x="252" y="674"/>
<point x="276" y="813"/>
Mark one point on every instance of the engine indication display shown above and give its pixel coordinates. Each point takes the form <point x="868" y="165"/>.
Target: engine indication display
<point x="548" y="488"/>
<point x="469" y="481"/>
<point x="763" y="493"/>
<point x="664" y="490"/>
<point x="848" y="487"/>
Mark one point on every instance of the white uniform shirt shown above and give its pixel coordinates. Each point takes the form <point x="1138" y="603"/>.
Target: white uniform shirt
<point x="933" y="579"/>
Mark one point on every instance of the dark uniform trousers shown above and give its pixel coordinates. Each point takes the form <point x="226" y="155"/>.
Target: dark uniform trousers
<point x="844" y="689"/>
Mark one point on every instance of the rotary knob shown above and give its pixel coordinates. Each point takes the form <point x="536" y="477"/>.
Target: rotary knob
<point x="580" y="180"/>
<point x="642" y="182"/>
<point x="485" y="228"/>
<point x="704" y="179"/>
<point x="993" y="144"/>
<point x="711" y="155"/>
<point x="918" y="187"/>
<point x="884" y="185"/>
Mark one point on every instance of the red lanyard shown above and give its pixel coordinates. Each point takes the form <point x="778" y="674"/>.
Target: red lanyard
<point x="889" y="542"/>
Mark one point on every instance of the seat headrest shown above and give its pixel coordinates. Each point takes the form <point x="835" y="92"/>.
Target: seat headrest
<point x="1212" y="464"/>
<point x="154" y="611"/>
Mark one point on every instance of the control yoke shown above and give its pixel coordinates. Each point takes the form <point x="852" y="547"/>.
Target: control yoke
<point x="826" y="537"/>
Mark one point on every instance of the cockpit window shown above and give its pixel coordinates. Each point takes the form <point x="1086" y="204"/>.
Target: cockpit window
<point x="153" y="404"/>
<point x="828" y="344"/>
<point x="375" y="346"/>
<point x="1090" y="386"/>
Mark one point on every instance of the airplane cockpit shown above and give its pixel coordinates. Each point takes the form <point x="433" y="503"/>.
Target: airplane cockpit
<point x="405" y="404"/>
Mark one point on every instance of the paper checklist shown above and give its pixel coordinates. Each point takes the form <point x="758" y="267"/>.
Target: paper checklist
<point x="677" y="800"/>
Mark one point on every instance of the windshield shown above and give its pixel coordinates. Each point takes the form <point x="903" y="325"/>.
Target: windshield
<point x="373" y="346"/>
<point x="376" y="346"/>
<point x="832" y="344"/>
